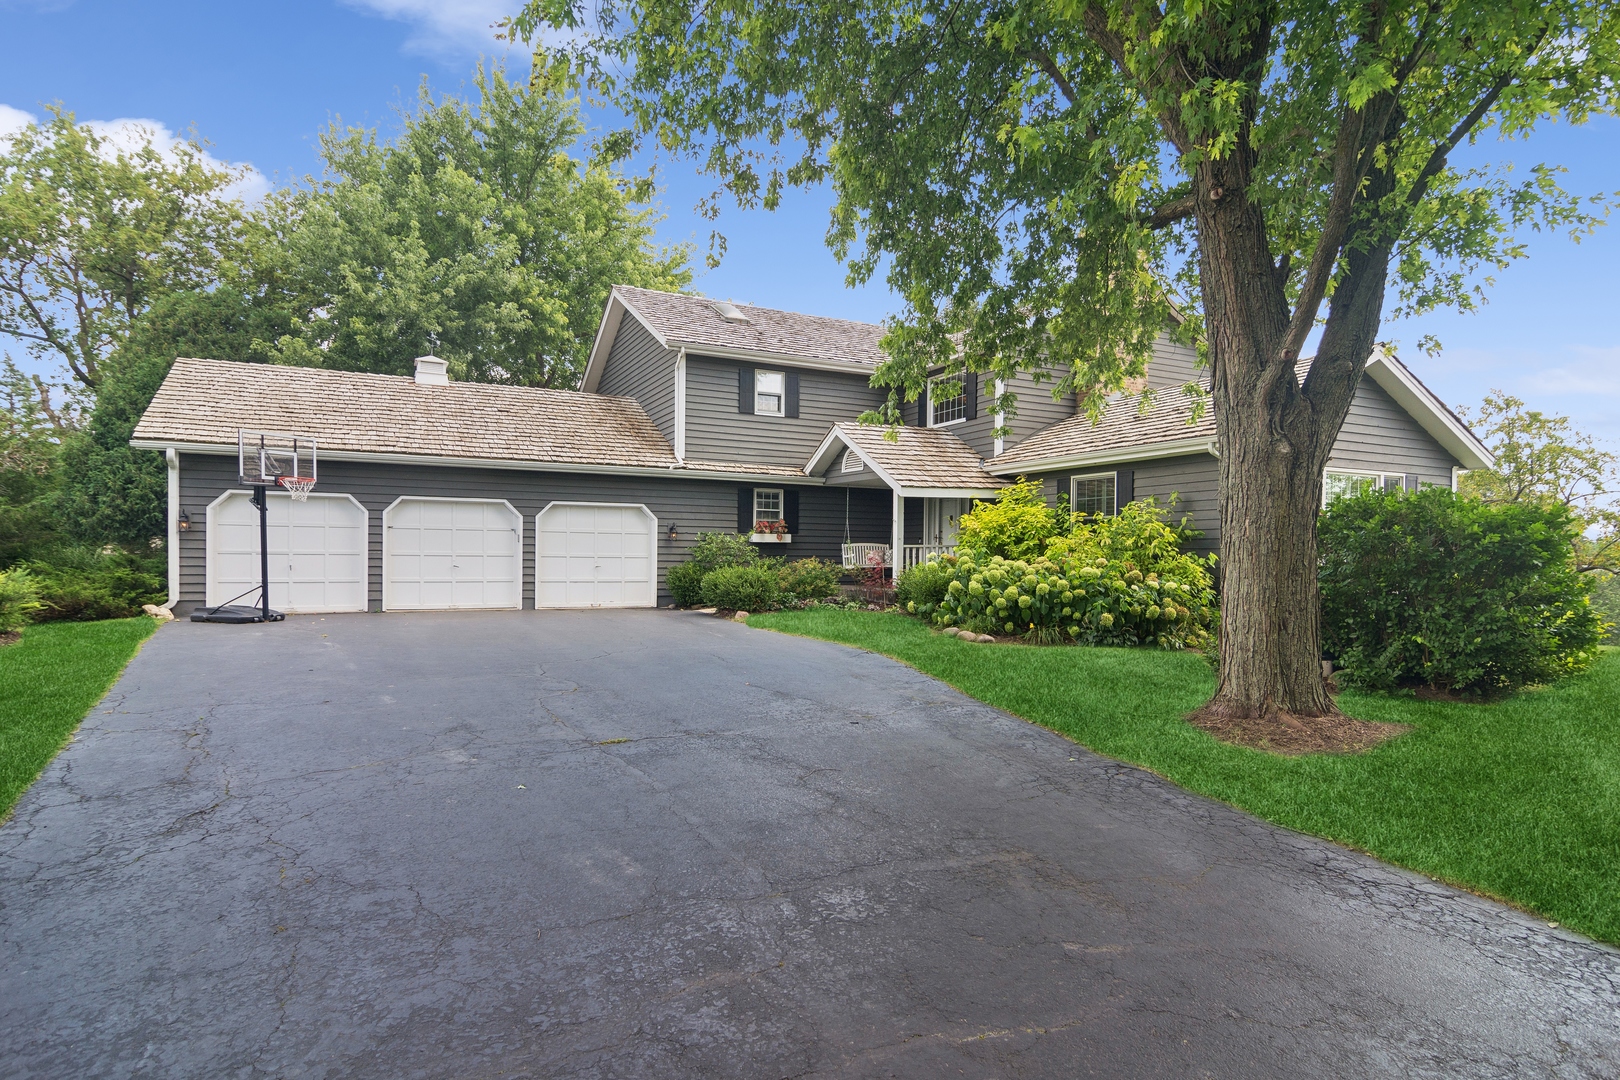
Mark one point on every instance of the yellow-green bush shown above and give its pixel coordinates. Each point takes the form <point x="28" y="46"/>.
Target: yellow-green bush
<point x="1092" y="601"/>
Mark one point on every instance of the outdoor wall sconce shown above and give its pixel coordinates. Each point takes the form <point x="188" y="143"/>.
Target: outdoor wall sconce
<point x="673" y="533"/>
<point x="184" y="522"/>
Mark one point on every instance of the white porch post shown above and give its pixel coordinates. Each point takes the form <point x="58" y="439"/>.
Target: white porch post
<point x="899" y="531"/>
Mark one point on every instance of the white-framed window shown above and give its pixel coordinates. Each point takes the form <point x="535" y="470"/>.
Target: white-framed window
<point x="770" y="393"/>
<point x="852" y="462"/>
<point x="1337" y="483"/>
<point x="947" y="410"/>
<point x="1094" y="493"/>
<point x="767" y="504"/>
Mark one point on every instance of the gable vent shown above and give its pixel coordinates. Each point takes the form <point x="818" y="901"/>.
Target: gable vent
<point x="730" y="312"/>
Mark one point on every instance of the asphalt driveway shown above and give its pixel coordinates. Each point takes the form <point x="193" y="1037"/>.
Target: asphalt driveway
<point x="654" y="844"/>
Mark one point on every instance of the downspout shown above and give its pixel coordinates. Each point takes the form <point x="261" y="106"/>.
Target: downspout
<point x="171" y="457"/>
<point x="680" y="406"/>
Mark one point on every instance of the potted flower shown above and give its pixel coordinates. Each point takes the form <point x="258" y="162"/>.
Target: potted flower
<point x="771" y="532"/>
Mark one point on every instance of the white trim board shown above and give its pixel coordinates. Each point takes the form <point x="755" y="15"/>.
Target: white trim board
<point x="674" y="471"/>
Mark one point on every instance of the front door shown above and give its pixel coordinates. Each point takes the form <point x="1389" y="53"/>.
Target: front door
<point x="940" y="518"/>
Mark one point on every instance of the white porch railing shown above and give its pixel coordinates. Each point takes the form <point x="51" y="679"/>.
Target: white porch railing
<point x="861" y="556"/>
<point x="913" y="554"/>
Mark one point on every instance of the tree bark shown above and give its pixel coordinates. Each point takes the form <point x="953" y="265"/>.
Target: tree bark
<point x="1274" y="443"/>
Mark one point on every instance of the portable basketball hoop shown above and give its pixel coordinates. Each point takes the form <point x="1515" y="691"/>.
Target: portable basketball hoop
<point x="265" y="459"/>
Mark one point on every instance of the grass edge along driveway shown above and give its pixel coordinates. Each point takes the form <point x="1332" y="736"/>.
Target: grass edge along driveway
<point x="49" y="682"/>
<point x="1519" y="800"/>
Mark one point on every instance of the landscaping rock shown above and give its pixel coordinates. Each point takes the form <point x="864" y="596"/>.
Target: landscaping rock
<point x="161" y="614"/>
<point x="986" y="638"/>
<point x="741" y="616"/>
<point x="951" y="631"/>
<point x="707" y="610"/>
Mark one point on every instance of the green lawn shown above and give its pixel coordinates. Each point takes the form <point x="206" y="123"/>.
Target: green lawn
<point x="48" y="682"/>
<point x="1519" y="800"/>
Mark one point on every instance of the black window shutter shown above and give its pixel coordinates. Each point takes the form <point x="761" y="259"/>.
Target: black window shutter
<point x="1124" y="488"/>
<point x="922" y="409"/>
<point x="790" y="407"/>
<point x="790" y="508"/>
<point x="970" y="383"/>
<point x="1411" y="481"/>
<point x="745" y="510"/>
<point x="745" y="389"/>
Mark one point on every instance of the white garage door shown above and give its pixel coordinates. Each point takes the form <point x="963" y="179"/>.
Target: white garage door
<point x="452" y="553"/>
<point x="596" y="555"/>
<point x="317" y="552"/>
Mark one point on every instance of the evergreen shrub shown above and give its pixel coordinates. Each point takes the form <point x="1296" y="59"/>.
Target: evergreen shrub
<point x="1432" y="589"/>
<point x="19" y="600"/>
<point x="743" y="588"/>
<point x="809" y="579"/>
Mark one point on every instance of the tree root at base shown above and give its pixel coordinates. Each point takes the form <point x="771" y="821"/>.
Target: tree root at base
<point x="1284" y="733"/>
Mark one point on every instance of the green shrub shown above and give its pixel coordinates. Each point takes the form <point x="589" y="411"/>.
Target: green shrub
<point x="743" y="588"/>
<point x="1016" y="526"/>
<point x="1092" y="601"/>
<point x="19" y="600"/>
<point x="710" y="551"/>
<point x="81" y="585"/>
<point x="809" y="579"/>
<point x="1431" y="589"/>
<point x="1606" y="601"/>
<point x="685" y="582"/>
<point x="919" y="589"/>
<point x="713" y="550"/>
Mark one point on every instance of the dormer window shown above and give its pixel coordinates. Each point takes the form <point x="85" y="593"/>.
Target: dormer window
<point x="770" y="392"/>
<point x="947" y="410"/>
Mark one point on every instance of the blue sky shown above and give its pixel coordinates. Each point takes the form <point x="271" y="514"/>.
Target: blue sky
<point x="260" y="81"/>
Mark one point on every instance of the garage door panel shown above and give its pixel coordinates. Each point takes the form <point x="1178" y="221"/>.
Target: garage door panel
<point x="317" y="556"/>
<point x="453" y="554"/>
<point x="595" y="556"/>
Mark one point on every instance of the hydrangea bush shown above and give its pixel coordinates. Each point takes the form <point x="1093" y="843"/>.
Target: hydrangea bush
<point x="1122" y="580"/>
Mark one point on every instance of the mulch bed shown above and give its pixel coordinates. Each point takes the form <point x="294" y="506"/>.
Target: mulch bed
<point x="1291" y="736"/>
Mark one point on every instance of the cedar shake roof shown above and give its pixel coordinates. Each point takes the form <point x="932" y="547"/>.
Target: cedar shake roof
<point x="694" y="321"/>
<point x="206" y="401"/>
<point x="920" y="457"/>
<point x="1122" y="425"/>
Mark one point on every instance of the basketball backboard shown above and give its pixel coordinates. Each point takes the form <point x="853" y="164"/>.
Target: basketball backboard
<point x="267" y="457"/>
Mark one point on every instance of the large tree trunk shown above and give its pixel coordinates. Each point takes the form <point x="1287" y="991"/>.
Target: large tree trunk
<point x="1274" y="443"/>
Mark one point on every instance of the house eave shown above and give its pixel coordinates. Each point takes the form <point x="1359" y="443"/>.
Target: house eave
<point x="1113" y="456"/>
<point x="1419" y="402"/>
<point x="442" y="461"/>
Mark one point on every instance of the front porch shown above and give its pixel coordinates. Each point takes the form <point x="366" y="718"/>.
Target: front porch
<point x="927" y="527"/>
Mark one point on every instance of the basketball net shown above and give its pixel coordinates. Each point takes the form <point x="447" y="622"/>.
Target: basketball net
<point x="298" y="487"/>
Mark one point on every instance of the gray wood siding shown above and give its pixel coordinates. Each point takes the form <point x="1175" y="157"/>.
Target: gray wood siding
<point x="977" y="431"/>
<point x="637" y="366"/>
<point x="716" y="431"/>
<point x="692" y="505"/>
<point x="1193" y="479"/>
<point x="1174" y="365"/>
<point x="1036" y="409"/>
<point x="1379" y="436"/>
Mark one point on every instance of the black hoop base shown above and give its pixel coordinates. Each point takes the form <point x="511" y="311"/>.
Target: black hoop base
<point x="236" y="613"/>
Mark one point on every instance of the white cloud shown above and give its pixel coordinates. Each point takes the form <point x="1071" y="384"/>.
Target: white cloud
<point x="128" y="134"/>
<point x="12" y="121"/>
<point x="446" y="27"/>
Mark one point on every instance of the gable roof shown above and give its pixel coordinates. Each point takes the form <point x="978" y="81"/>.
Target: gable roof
<point x="695" y="323"/>
<point x="1125" y="432"/>
<point x="918" y="459"/>
<point x="204" y="402"/>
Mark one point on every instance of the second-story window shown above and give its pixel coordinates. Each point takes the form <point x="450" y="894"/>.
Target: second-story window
<point x="770" y="393"/>
<point x="946" y="410"/>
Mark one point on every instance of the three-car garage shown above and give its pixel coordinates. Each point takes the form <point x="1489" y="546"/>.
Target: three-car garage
<point x="436" y="553"/>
